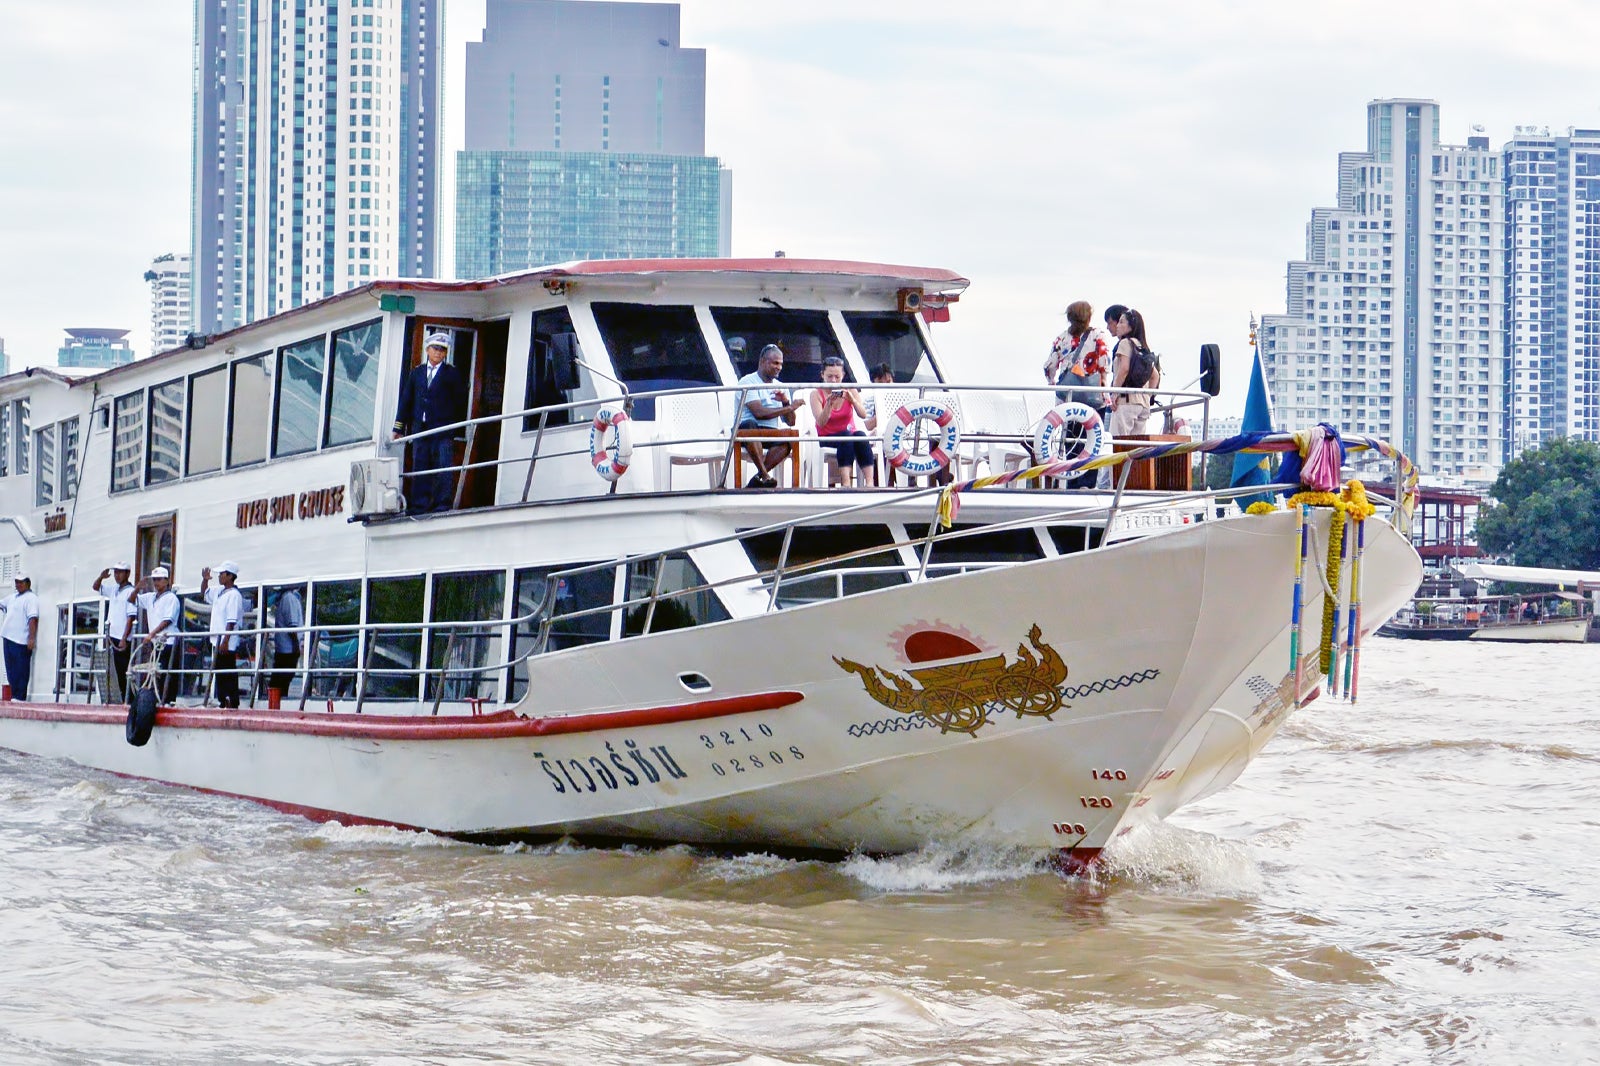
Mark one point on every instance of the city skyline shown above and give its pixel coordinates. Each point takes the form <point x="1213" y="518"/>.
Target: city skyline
<point x="1163" y="157"/>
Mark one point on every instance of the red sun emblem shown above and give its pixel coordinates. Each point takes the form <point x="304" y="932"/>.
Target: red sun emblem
<point x="928" y="645"/>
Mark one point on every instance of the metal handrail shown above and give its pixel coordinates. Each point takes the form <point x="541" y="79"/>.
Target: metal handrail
<point x="786" y="570"/>
<point x="1188" y="397"/>
<point x="186" y="641"/>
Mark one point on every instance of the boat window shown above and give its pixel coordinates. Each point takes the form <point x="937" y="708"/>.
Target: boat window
<point x="164" y="442"/>
<point x="1069" y="539"/>
<point x="805" y="337"/>
<point x="208" y="398"/>
<point x="19" y="434"/>
<point x="394" y="601"/>
<point x="672" y="611"/>
<point x="194" y="646"/>
<point x="5" y="439"/>
<point x="893" y="338"/>
<point x="353" y="384"/>
<point x="461" y="652"/>
<point x="655" y="348"/>
<point x="44" y="466"/>
<point x="554" y="376"/>
<point x="252" y="412"/>
<point x="75" y="672"/>
<point x="299" y="397"/>
<point x="582" y="592"/>
<point x="69" y="459"/>
<point x="334" y="656"/>
<point x="995" y="546"/>
<point x="285" y="607"/>
<point x="811" y="544"/>
<point x="127" y="442"/>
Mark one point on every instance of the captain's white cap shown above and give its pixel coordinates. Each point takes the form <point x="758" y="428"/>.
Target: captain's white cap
<point x="160" y="571"/>
<point x="229" y="568"/>
<point x="438" y="340"/>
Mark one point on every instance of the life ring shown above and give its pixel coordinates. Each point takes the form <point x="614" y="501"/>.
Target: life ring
<point x="1075" y="426"/>
<point x="611" y="462"/>
<point x="942" y="443"/>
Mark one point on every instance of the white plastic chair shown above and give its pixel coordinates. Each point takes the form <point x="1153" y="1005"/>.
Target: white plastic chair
<point x="1010" y="416"/>
<point x="691" y="425"/>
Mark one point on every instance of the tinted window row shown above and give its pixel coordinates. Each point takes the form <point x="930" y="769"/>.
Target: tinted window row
<point x="319" y="392"/>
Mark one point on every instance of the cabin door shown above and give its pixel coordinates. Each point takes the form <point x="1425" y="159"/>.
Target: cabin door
<point x="478" y="351"/>
<point x="156" y="545"/>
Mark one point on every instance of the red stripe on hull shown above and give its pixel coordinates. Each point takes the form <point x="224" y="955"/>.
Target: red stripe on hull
<point x="378" y="727"/>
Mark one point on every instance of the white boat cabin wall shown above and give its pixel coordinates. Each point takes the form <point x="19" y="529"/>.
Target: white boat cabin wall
<point x="242" y="446"/>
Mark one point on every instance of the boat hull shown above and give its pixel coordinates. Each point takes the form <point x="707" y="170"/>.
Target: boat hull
<point x="1049" y="704"/>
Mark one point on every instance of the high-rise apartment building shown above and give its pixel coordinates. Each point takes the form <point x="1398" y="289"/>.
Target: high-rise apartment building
<point x="170" y="318"/>
<point x="585" y="139"/>
<point x="5" y="360"/>
<point x="316" y="137"/>
<point x="1395" y="324"/>
<point x="95" y="349"/>
<point x="1552" y="265"/>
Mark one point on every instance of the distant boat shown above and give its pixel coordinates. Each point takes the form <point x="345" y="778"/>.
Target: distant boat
<point x="1545" y="618"/>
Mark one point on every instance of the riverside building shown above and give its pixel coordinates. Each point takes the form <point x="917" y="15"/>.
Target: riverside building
<point x="316" y="133"/>
<point x="94" y="348"/>
<point x="585" y="139"/>
<point x="1395" y="318"/>
<point x="1552" y="265"/>
<point x="170" y="317"/>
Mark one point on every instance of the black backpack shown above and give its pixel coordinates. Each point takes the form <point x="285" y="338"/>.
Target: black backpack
<point x="1141" y="367"/>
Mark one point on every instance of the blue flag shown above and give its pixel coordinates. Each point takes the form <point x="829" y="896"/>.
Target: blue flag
<point x="1255" y="469"/>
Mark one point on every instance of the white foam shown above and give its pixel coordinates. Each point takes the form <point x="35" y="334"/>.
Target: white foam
<point x="335" y="833"/>
<point x="938" y="868"/>
<point x="1169" y="856"/>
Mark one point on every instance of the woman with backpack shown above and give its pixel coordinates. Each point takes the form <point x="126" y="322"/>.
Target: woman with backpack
<point x="1134" y="366"/>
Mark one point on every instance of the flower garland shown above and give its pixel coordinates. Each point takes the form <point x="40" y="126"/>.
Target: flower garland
<point x="1351" y="503"/>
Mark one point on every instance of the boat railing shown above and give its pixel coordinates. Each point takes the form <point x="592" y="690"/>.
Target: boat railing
<point x="836" y="570"/>
<point x="1030" y="404"/>
<point x="191" y="672"/>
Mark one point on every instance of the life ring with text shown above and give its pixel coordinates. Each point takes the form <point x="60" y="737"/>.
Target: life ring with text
<point x="611" y="462"/>
<point x="899" y="435"/>
<point x="1075" y="428"/>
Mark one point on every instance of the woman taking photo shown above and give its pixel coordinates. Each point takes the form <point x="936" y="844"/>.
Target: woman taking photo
<point x="835" y="410"/>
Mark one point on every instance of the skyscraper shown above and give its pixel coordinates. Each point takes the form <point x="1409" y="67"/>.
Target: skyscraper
<point x="585" y="139"/>
<point x="95" y="348"/>
<point x="170" y="317"/>
<point x="1552" y="265"/>
<point x="316" y="133"/>
<point x="1395" y="320"/>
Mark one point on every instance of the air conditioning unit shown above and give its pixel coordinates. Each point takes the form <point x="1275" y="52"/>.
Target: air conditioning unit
<point x="375" y="487"/>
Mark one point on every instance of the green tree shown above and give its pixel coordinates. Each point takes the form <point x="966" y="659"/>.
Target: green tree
<point x="1546" y="509"/>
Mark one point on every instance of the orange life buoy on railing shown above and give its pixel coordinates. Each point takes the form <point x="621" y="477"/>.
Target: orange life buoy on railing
<point x="942" y="442"/>
<point x="1074" y="427"/>
<point x="611" y="462"/>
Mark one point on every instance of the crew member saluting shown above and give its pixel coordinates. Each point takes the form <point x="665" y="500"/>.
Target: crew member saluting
<point x="120" y="612"/>
<point x="431" y="395"/>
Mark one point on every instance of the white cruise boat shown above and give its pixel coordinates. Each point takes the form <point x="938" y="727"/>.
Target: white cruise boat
<point x="658" y="654"/>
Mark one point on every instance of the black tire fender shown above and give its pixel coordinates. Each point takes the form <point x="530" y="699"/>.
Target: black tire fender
<point x="141" y="717"/>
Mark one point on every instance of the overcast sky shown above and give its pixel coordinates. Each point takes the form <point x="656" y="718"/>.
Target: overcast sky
<point x="1163" y="154"/>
